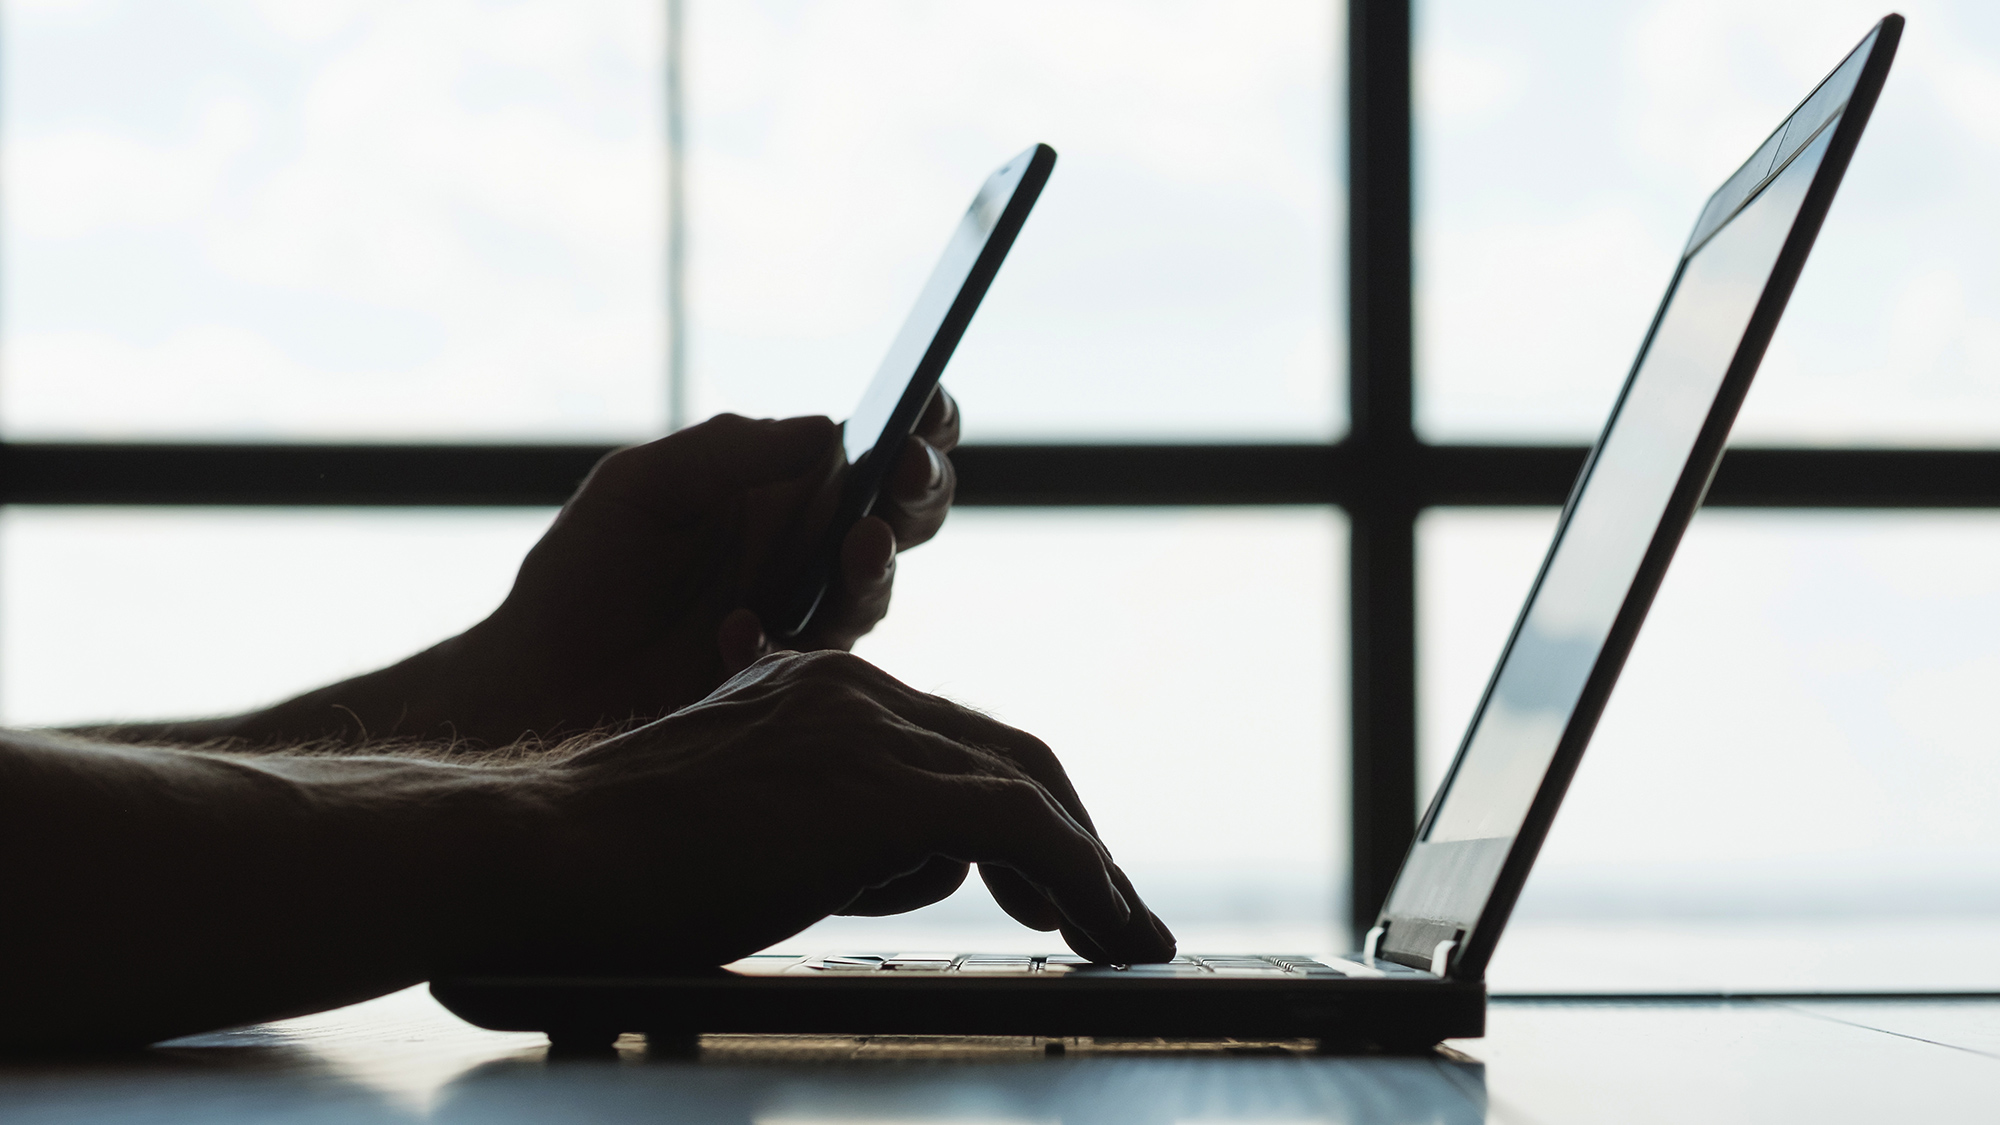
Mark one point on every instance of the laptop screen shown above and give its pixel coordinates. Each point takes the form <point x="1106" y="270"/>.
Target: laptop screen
<point x="1612" y="521"/>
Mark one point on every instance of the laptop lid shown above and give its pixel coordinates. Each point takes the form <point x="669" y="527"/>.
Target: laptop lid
<point x="1639" y="488"/>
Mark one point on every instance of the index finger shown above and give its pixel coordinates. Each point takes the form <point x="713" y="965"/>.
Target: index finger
<point x="918" y="492"/>
<point x="939" y="423"/>
<point x="1015" y="824"/>
<point x="1142" y="937"/>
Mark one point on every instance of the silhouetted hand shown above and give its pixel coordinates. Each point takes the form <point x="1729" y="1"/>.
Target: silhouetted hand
<point x="638" y="600"/>
<point x="809" y="785"/>
<point x="640" y="597"/>
<point x="915" y="499"/>
<point x="155" y="892"/>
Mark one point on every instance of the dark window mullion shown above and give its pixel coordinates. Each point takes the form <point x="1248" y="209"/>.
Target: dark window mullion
<point x="1382" y="512"/>
<point x="1347" y="474"/>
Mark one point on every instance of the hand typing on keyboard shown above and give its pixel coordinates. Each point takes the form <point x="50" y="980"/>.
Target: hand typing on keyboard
<point x="804" y="785"/>
<point x="807" y="785"/>
<point x="812" y="785"/>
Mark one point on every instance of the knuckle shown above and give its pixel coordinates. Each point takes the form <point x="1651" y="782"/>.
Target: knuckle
<point x="835" y="664"/>
<point x="1023" y="796"/>
<point x="803" y="671"/>
<point x="827" y="700"/>
<point x="727" y="428"/>
<point x="614" y="466"/>
<point x="1034" y="753"/>
<point x="784" y="659"/>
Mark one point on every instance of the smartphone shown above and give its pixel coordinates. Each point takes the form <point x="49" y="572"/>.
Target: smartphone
<point x="895" y="399"/>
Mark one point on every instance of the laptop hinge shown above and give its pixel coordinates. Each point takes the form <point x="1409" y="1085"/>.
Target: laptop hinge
<point x="1370" y="943"/>
<point x="1441" y="957"/>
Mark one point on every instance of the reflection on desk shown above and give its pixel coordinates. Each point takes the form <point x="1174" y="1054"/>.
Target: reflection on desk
<point x="402" y="1058"/>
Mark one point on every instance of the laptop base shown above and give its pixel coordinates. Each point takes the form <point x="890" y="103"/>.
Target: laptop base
<point x="1395" y="1010"/>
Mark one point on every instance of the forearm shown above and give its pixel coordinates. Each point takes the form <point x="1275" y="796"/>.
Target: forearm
<point x="497" y="684"/>
<point x="416" y="699"/>
<point x="152" y="892"/>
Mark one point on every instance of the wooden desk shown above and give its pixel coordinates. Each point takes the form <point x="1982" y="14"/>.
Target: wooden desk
<point x="402" y="1058"/>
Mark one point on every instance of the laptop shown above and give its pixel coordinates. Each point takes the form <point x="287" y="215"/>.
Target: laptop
<point x="1419" y="976"/>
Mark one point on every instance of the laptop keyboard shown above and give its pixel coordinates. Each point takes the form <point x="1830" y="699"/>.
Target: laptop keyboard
<point x="984" y="964"/>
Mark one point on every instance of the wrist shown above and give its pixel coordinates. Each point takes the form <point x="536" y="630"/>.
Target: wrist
<point x="491" y="849"/>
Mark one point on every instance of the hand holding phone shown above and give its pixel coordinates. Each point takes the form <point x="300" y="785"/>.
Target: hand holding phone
<point x="875" y="434"/>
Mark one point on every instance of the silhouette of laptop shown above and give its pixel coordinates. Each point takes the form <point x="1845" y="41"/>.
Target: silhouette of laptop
<point x="1419" y="977"/>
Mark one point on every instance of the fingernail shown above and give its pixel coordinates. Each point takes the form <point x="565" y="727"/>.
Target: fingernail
<point x="937" y="467"/>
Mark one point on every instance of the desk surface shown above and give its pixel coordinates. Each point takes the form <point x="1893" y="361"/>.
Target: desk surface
<point x="404" y="1058"/>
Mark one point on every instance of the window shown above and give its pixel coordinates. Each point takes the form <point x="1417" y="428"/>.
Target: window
<point x="378" y="221"/>
<point x="1795" y="745"/>
<point x="1195" y="720"/>
<point x="116" y="613"/>
<point x="1563" y="149"/>
<point x="1177" y="280"/>
<point x="397" y="274"/>
<point x="1803" y="726"/>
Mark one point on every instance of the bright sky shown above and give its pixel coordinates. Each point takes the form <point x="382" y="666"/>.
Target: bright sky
<point x="359" y="219"/>
<point x="1565" y="147"/>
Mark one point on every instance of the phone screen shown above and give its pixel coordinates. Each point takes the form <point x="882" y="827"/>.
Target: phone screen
<point x="865" y="428"/>
<point x="895" y="398"/>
